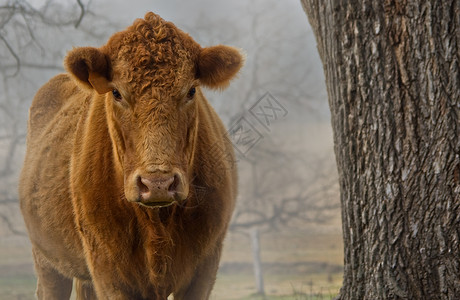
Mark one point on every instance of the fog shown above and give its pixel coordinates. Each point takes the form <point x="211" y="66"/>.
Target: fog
<point x="288" y="189"/>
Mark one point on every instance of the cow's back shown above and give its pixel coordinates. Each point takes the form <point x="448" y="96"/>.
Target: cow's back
<point x="44" y="183"/>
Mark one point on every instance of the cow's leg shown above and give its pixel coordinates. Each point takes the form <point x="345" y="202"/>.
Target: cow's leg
<point x="50" y="284"/>
<point x="203" y="280"/>
<point x="84" y="290"/>
<point x="106" y="284"/>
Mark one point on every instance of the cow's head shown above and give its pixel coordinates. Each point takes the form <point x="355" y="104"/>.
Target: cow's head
<point x="150" y="77"/>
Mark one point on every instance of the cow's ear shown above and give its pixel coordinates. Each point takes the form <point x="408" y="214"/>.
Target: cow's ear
<point x="217" y="65"/>
<point x="90" y="67"/>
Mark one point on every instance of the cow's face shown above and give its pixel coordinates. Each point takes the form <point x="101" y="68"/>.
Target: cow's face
<point x="150" y="76"/>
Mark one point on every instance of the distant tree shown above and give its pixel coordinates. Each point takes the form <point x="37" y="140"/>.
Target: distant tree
<point x="276" y="194"/>
<point x="392" y="74"/>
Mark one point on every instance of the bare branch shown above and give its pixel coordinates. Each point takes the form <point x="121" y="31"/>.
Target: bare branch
<point x="10" y="226"/>
<point x="82" y="13"/>
<point x="312" y="201"/>
<point x="31" y="32"/>
<point x="16" y="57"/>
<point x="30" y="65"/>
<point x="8" y="200"/>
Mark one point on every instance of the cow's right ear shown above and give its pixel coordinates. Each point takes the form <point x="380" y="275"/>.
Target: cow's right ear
<point x="90" y="67"/>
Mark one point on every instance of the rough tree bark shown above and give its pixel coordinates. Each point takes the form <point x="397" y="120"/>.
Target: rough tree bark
<point x="392" y="74"/>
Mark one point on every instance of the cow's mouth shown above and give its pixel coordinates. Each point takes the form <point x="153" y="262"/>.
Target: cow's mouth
<point x="157" y="204"/>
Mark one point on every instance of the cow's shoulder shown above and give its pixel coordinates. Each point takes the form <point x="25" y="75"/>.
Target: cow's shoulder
<point x="58" y="92"/>
<point x="216" y="157"/>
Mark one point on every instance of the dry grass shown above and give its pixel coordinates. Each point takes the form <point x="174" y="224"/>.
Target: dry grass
<point x="296" y="265"/>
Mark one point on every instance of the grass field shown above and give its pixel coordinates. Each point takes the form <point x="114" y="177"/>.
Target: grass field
<point x="296" y="266"/>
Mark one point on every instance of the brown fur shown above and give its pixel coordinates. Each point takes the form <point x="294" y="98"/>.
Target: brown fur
<point x="87" y="151"/>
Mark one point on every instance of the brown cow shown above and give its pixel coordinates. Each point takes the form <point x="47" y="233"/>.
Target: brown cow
<point x="118" y="188"/>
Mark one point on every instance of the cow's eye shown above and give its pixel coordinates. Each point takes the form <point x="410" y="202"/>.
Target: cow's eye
<point x="191" y="93"/>
<point x="116" y="95"/>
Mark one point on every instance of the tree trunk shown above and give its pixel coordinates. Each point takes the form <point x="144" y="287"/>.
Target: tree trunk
<point x="392" y="74"/>
<point x="258" y="276"/>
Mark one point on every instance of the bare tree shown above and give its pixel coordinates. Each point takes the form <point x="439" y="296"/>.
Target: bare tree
<point x="392" y="74"/>
<point x="277" y="192"/>
<point x="280" y="190"/>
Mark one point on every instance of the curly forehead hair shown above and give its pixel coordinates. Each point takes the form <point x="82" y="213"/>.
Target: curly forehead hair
<point x="155" y="53"/>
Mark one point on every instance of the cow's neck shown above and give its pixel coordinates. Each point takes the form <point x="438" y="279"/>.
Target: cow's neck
<point x="93" y="154"/>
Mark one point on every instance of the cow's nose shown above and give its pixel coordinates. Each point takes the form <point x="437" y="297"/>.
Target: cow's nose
<point x="155" y="183"/>
<point x="159" y="188"/>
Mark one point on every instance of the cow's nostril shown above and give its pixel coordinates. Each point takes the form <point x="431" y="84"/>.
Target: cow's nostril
<point x="142" y="187"/>
<point x="174" y="184"/>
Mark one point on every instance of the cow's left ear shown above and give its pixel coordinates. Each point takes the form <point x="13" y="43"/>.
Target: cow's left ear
<point x="217" y="65"/>
<point x="90" y="67"/>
